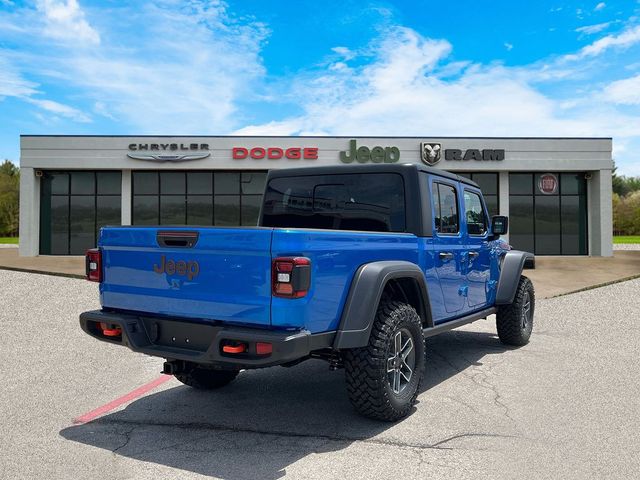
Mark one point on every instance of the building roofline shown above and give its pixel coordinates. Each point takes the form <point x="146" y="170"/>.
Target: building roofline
<point x="315" y="136"/>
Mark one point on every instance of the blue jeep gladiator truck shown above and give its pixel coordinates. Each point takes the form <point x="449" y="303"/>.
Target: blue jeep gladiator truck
<point x="354" y="265"/>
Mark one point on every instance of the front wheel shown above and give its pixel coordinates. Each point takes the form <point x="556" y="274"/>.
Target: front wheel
<point x="383" y="378"/>
<point x="515" y="321"/>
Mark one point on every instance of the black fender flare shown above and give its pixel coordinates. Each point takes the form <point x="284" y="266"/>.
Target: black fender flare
<point x="364" y="296"/>
<point x="512" y="265"/>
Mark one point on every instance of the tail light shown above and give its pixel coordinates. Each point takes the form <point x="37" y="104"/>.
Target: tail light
<point x="291" y="277"/>
<point x="93" y="265"/>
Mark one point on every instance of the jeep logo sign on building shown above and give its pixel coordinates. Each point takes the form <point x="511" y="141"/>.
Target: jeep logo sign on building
<point x="365" y="154"/>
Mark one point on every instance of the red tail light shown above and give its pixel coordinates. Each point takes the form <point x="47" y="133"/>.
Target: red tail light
<point x="291" y="277"/>
<point x="93" y="265"/>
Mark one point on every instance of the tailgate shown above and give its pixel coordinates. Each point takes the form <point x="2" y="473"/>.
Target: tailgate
<point x="220" y="274"/>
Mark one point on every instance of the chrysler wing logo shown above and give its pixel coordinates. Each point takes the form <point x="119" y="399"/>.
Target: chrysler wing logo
<point x="430" y="152"/>
<point x="156" y="157"/>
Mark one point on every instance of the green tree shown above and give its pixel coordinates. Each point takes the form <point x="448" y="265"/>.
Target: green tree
<point x="9" y="199"/>
<point x="623" y="185"/>
<point x="626" y="214"/>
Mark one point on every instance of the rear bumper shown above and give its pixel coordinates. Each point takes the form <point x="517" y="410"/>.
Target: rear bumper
<point x="183" y="339"/>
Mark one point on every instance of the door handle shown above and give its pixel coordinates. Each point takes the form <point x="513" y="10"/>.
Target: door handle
<point x="473" y="254"/>
<point x="445" y="255"/>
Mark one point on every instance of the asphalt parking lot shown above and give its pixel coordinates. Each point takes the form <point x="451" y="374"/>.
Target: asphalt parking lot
<point x="564" y="406"/>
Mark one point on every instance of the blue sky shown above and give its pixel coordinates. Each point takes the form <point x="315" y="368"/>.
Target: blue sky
<point x="425" y="68"/>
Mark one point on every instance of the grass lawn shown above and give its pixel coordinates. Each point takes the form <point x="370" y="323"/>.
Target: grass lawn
<point x="9" y="240"/>
<point x="616" y="239"/>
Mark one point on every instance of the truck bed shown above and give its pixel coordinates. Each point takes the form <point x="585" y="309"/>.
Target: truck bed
<point x="225" y="276"/>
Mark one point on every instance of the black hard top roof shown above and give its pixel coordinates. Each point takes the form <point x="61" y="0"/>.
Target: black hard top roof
<point x="369" y="168"/>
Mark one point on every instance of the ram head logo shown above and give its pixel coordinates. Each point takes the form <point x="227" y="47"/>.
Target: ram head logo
<point x="430" y="152"/>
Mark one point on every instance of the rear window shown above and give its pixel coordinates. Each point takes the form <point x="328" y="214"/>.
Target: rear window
<point x="371" y="202"/>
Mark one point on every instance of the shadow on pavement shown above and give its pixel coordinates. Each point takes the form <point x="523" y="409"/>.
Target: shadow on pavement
<point x="267" y="419"/>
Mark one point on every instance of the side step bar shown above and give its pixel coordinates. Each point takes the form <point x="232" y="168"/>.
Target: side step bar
<point x="450" y="325"/>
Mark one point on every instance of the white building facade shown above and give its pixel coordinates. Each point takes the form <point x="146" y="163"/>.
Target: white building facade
<point x="556" y="191"/>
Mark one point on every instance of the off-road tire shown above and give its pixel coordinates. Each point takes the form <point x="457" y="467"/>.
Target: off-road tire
<point x="368" y="383"/>
<point x="515" y="321"/>
<point x="205" y="378"/>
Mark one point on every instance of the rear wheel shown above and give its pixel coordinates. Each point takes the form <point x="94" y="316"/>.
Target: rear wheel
<point x="383" y="378"/>
<point x="515" y="321"/>
<point x="206" y="378"/>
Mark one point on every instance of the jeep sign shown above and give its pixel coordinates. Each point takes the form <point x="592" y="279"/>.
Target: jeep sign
<point x="365" y="154"/>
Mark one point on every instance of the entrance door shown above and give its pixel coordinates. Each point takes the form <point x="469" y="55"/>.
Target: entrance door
<point x="548" y="213"/>
<point x="449" y="246"/>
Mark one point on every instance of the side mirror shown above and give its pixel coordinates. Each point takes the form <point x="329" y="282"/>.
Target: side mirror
<point x="499" y="225"/>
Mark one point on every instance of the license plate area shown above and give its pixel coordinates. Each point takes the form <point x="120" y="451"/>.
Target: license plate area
<point x="180" y="334"/>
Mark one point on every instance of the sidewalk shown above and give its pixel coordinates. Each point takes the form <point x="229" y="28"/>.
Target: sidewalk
<point x="553" y="276"/>
<point x="57" y="265"/>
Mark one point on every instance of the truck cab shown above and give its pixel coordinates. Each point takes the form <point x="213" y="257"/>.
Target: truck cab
<point x="355" y="265"/>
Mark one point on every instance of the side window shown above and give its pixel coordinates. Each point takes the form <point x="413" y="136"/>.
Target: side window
<point x="445" y="206"/>
<point x="474" y="213"/>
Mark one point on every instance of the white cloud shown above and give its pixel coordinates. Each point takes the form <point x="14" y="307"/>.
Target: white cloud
<point x="627" y="38"/>
<point x="59" y="109"/>
<point x="600" y="6"/>
<point x="402" y="92"/>
<point x="625" y="91"/>
<point x="181" y="68"/>
<point x="65" y="20"/>
<point x="344" y="52"/>
<point x="11" y="82"/>
<point x="591" y="29"/>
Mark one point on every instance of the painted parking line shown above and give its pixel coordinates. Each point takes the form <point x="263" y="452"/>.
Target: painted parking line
<point x="107" y="407"/>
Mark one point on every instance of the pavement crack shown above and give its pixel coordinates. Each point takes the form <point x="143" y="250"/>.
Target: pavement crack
<point x="275" y="433"/>
<point x="127" y="436"/>
<point x="466" y="435"/>
<point x="482" y="382"/>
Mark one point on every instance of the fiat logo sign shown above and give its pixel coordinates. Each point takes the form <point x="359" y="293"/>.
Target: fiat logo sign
<point x="548" y="184"/>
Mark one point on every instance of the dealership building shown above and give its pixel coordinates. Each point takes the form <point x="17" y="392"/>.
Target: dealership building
<point x="556" y="191"/>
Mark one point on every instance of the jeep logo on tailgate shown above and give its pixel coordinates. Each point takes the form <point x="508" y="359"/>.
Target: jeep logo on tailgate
<point x="191" y="269"/>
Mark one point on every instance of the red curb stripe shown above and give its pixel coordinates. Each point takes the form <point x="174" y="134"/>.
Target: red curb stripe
<point x="138" y="392"/>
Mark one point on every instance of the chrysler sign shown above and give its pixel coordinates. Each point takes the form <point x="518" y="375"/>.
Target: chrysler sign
<point x="179" y="152"/>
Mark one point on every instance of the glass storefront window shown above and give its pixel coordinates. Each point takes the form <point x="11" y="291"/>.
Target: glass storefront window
<point x="520" y="184"/>
<point x="250" y="209"/>
<point x="173" y="210"/>
<point x="253" y="182"/>
<point x="197" y="198"/>
<point x="74" y="206"/>
<point x="146" y="210"/>
<point x="145" y="183"/>
<point x="547" y="225"/>
<point x="199" y="210"/>
<point x="227" y="183"/>
<point x="551" y="222"/>
<point x="521" y="222"/>
<point x="172" y="183"/>
<point x="83" y="183"/>
<point x="199" y="183"/>
<point x="58" y="183"/>
<point x="109" y="183"/>
<point x="227" y="210"/>
<point x="488" y="183"/>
